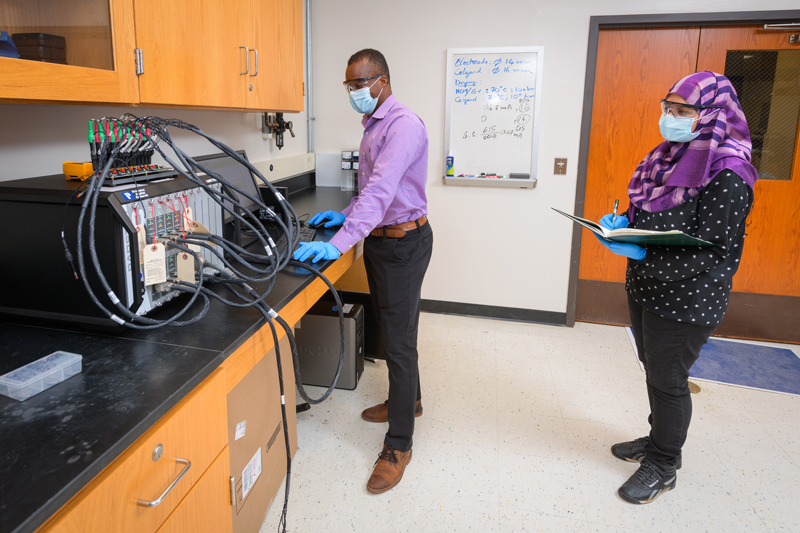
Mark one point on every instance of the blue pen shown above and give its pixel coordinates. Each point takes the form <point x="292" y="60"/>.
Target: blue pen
<point x="614" y="217"/>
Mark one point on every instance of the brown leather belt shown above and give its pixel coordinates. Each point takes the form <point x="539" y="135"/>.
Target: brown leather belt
<point x="398" y="231"/>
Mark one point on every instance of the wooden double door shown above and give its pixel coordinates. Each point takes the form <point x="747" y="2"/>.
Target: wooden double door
<point x="635" y="69"/>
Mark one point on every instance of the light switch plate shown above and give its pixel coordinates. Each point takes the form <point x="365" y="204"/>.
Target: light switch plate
<point x="560" y="166"/>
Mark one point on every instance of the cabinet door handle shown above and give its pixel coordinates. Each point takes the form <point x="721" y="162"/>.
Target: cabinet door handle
<point x="256" y="74"/>
<point x="153" y="503"/>
<point x="247" y="56"/>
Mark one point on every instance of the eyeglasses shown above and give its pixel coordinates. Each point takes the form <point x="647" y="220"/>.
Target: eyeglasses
<point x="358" y="83"/>
<point x="685" y="110"/>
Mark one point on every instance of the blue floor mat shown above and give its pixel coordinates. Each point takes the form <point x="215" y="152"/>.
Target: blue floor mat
<point x="748" y="365"/>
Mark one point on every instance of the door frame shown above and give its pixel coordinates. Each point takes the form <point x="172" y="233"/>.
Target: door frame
<point x="597" y="23"/>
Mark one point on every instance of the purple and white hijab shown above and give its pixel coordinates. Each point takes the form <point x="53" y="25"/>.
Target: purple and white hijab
<point x="674" y="172"/>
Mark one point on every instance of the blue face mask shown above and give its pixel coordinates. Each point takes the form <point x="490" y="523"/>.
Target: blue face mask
<point x="677" y="129"/>
<point x="362" y="100"/>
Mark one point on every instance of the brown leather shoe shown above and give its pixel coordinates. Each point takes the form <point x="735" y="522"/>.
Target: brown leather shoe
<point x="388" y="470"/>
<point x="380" y="413"/>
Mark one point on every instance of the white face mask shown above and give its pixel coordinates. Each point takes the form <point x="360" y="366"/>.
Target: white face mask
<point x="362" y="100"/>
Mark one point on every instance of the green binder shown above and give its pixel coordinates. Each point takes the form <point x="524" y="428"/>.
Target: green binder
<point x="638" y="236"/>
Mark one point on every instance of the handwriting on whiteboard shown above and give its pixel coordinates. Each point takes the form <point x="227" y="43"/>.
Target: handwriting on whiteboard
<point x="504" y="107"/>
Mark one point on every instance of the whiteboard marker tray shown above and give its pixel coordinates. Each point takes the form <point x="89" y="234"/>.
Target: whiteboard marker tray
<point x="491" y="182"/>
<point x="33" y="378"/>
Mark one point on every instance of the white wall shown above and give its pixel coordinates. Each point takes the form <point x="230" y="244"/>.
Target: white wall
<point x="498" y="247"/>
<point x="36" y="139"/>
<point x="501" y="247"/>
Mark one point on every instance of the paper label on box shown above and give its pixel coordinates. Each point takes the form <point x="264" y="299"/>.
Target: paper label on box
<point x="250" y="473"/>
<point x="240" y="427"/>
<point x="346" y="308"/>
<point x="186" y="263"/>
<point x="155" y="264"/>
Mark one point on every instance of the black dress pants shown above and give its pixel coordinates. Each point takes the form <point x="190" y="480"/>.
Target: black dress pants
<point x="395" y="270"/>
<point x="667" y="349"/>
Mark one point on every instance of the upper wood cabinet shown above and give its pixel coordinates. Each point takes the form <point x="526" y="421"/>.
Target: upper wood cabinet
<point x="275" y="30"/>
<point x="235" y="54"/>
<point x="221" y="53"/>
<point x="85" y="55"/>
<point x="190" y="52"/>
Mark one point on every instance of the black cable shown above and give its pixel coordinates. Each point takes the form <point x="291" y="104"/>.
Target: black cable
<point x="298" y="379"/>
<point x="151" y="131"/>
<point x="90" y="202"/>
<point x="292" y="340"/>
<point x="67" y="253"/>
<point x="282" y="521"/>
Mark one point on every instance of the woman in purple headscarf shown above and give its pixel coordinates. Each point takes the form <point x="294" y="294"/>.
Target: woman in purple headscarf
<point x="699" y="181"/>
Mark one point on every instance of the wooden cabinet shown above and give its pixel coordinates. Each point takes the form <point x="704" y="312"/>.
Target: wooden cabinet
<point x="220" y="53"/>
<point x="207" y="508"/>
<point x="194" y="430"/>
<point x="190" y="52"/>
<point x="99" y="52"/>
<point x="235" y="54"/>
<point x="275" y="30"/>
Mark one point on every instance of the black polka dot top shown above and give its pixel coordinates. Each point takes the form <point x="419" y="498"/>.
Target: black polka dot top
<point x="692" y="284"/>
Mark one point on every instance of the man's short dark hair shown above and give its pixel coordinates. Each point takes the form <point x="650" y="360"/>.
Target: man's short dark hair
<point x="374" y="58"/>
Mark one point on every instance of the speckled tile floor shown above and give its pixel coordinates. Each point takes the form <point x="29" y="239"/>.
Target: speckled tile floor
<point x="515" y="437"/>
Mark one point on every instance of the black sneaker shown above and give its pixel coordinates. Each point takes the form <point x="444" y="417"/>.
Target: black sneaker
<point x="648" y="483"/>
<point x="633" y="451"/>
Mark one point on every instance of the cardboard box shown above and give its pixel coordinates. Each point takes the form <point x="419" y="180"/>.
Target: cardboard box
<point x="256" y="439"/>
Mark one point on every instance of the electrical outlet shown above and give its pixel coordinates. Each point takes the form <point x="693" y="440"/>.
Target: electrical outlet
<point x="560" y="167"/>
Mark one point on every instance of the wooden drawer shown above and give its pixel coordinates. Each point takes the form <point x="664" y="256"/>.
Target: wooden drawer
<point x="207" y="508"/>
<point x="194" y="430"/>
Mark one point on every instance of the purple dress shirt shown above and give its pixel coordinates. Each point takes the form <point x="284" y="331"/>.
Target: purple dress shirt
<point x="393" y="171"/>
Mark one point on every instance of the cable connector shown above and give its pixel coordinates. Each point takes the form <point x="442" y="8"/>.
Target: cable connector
<point x="68" y="256"/>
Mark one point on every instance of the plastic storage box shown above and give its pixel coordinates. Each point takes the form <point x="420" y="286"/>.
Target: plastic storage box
<point x="33" y="378"/>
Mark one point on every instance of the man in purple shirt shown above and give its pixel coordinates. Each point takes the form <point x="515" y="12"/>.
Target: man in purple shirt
<point x="390" y="214"/>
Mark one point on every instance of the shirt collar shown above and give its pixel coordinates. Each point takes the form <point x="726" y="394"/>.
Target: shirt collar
<point x="382" y="111"/>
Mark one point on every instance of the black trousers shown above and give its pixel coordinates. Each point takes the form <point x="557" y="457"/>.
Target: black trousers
<point x="667" y="349"/>
<point x="395" y="270"/>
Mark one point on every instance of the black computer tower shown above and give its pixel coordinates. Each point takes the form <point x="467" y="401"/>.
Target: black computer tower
<point x="318" y="345"/>
<point x="373" y="341"/>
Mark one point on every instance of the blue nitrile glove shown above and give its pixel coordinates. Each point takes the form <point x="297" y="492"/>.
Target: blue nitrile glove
<point x="620" y="222"/>
<point x="620" y="248"/>
<point x="322" y="250"/>
<point x="336" y="219"/>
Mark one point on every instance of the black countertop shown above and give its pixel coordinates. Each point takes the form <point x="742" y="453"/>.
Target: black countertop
<point x="54" y="443"/>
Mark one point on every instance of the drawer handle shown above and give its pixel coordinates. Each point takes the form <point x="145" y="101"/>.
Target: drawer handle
<point x="188" y="464"/>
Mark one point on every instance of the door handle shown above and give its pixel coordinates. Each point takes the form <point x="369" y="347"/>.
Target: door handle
<point x="145" y="503"/>
<point x="247" y="56"/>
<point x="256" y="74"/>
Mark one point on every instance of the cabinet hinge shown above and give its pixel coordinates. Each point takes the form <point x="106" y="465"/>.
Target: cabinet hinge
<point x="139" y="61"/>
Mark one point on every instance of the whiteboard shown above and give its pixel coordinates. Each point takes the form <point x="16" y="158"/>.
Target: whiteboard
<point x="492" y="114"/>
